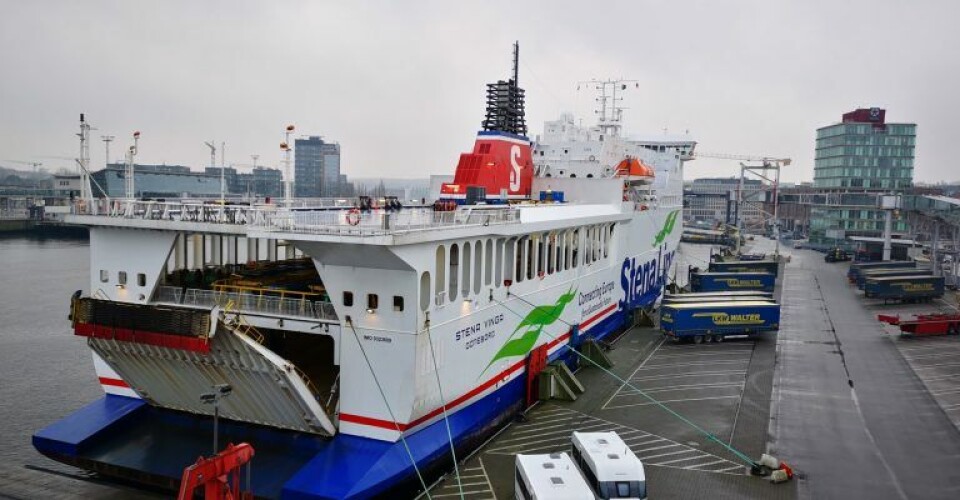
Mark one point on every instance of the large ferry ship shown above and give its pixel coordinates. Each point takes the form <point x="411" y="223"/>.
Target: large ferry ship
<point x="357" y="348"/>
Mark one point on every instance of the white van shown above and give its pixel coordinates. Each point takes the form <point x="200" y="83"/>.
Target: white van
<point x="611" y="469"/>
<point x="552" y="477"/>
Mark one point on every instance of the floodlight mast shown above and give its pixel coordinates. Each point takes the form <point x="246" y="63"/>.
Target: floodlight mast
<point x="287" y="181"/>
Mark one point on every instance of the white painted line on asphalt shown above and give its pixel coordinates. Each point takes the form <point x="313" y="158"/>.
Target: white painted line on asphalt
<point x="931" y="355"/>
<point x="561" y="433"/>
<point x="709" y="363"/>
<point x="457" y="494"/>
<point x="672" y="401"/>
<point x="720" y="461"/>
<point x="687" y="459"/>
<point x="654" y="351"/>
<point x="940" y="343"/>
<point x="527" y="429"/>
<point x="697" y="374"/>
<point x="927" y="367"/>
<point x="631" y="392"/>
<point x="747" y="352"/>
<point x="938" y="377"/>
<point x="651" y="457"/>
<point x="945" y="391"/>
<point x="639" y="451"/>
<point x="553" y="436"/>
<point x="490" y="486"/>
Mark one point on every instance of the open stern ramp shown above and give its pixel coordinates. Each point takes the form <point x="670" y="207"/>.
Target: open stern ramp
<point x="266" y="388"/>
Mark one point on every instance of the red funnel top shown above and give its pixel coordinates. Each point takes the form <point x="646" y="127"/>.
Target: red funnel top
<point x="499" y="162"/>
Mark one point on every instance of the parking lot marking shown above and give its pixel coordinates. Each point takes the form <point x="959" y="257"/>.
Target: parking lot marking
<point x="697" y="374"/>
<point x="632" y="392"/>
<point x="654" y="351"/>
<point x="704" y="355"/>
<point x="663" y="401"/>
<point x="474" y="486"/>
<point x="706" y="363"/>
<point x="650" y="448"/>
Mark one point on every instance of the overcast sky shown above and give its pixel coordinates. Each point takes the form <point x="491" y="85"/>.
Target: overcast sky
<point x="401" y="84"/>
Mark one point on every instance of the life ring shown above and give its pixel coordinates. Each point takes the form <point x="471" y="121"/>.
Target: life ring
<point x="353" y="216"/>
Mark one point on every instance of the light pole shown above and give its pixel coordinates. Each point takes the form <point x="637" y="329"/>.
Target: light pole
<point x="288" y="181"/>
<point x="220" y="391"/>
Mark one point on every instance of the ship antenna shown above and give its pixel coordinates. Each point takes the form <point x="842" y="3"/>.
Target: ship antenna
<point x="505" y="103"/>
<point x="516" y="63"/>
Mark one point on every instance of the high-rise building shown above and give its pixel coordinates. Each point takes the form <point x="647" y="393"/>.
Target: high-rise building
<point x="857" y="159"/>
<point x="316" y="168"/>
<point x="865" y="153"/>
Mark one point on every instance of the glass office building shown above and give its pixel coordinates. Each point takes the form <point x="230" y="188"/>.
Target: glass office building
<point x="856" y="160"/>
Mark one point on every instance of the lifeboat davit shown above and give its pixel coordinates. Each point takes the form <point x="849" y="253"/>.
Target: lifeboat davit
<point x="635" y="171"/>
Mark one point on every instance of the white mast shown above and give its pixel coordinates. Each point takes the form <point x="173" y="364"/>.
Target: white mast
<point x="86" y="193"/>
<point x="107" y="139"/>
<point x="128" y="174"/>
<point x="610" y="113"/>
<point x="287" y="181"/>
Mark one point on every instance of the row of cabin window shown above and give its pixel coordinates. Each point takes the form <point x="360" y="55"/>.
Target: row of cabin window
<point x="122" y="278"/>
<point x="373" y="301"/>
<point x="516" y="259"/>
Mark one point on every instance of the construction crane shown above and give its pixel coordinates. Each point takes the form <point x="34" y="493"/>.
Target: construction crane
<point x="784" y="162"/>
<point x="766" y="163"/>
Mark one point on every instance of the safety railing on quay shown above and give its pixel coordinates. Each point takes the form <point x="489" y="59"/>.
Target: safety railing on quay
<point x="246" y="302"/>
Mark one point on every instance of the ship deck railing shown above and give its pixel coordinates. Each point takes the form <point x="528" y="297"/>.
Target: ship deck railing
<point x="246" y="302"/>
<point x="324" y="219"/>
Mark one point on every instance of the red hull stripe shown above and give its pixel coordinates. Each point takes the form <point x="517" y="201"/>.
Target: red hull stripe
<point x="172" y="341"/>
<point x="393" y="426"/>
<point x="115" y="382"/>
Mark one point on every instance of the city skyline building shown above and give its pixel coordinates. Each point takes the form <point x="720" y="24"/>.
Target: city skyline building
<point x="316" y="168"/>
<point x="856" y="160"/>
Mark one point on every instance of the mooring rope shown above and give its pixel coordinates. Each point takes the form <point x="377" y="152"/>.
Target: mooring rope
<point x="443" y="405"/>
<point x="626" y="383"/>
<point x="389" y="410"/>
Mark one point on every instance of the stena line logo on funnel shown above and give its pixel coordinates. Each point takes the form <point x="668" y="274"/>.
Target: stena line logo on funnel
<point x="515" y="165"/>
<point x="641" y="282"/>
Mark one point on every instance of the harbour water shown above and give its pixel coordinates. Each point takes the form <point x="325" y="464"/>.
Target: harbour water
<point x="45" y="372"/>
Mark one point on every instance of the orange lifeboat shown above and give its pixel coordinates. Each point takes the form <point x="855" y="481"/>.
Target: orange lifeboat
<point x="635" y="170"/>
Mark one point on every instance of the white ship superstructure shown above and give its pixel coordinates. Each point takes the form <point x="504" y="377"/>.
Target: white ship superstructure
<point x="370" y="331"/>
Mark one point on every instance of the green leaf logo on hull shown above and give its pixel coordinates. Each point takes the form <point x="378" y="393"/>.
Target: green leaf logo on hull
<point x="531" y="326"/>
<point x="667" y="227"/>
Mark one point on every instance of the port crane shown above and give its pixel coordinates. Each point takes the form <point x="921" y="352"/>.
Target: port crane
<point x="761" y="167"/>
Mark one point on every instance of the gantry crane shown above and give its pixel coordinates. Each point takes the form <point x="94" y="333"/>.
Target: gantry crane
<point x="766" y="163"/>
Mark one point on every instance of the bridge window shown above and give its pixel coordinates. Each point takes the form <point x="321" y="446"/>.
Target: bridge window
<point x="373" y="302"/>
<point x="104" y="276"/>
<point x="398" y="303"/>
<point x="122" y="277"/>
<point x="141" y="279"/>
<point x="348" y="299"/>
